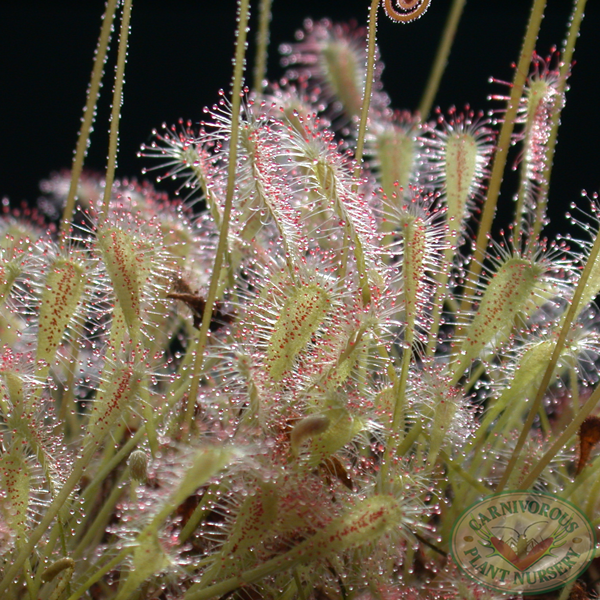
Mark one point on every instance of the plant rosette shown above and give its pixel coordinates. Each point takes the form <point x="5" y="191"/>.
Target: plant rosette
<point x="523" y="542"/>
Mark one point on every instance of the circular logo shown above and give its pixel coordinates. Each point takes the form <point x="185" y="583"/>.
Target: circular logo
<point x="522" y="541"/>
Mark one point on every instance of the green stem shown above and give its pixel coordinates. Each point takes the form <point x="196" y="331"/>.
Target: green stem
<point x="562" y="439"/>
<point x="565" y="67"/>
<point x="439" y="300"/>
<point x="45" y="553"/>
<point x="409" y="439"/>
<point x="565" y="593"/>
<point x="465" y="475"/>
<point x="111" y="464"/>
<point x="60" y="499"/>
<point x="262" y="43"/>
<point x="66" y="420"/>
<point x="103" y="516"/>
<point x="116" y="109"/>
<point x="574" y="388"/>
<point x="107" y="467"/>
<point x="396" y="435"/>
<point x="109" y="566"/>
<point x="199" y="512"/>
<point x="582" y="479"/>
<point x="275" y="565"/>
<point x="236" y="99"/>
<point x="364" y="114"/>
<point x="441" y="58"/>
<point x="570" y="316"/>
<point x="128" y="446"/>
<point x="400" y="404"/>
<point x="500" y="156"/>
<point x="593" y="496"/>
<point x="29" y="582"/>
<point x="362" y="129"/>
<point x="524" y="189"/>
<point x="500" y="404"/>
<point x="299" y="586"/>
<point x="476" y="374"/>
<point x="88" y="113"/>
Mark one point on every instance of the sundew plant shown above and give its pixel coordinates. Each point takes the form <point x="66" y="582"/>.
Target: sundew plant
<point x="290" y="380"/>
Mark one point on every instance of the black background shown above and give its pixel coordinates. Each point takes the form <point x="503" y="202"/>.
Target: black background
<point x="180" y="55"/>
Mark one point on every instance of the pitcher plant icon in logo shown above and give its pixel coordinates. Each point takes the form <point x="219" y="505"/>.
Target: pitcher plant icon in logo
<point x="526" y="542"/>
<point x="524" y="554"/>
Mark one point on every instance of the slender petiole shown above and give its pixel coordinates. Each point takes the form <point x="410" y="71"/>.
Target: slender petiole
<point x="236" y="102"/>
<point x="262" y="44"/>
<point x="500" y="156"/>
<point x="88" y="113"/>
<point x="116" y="110"/>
